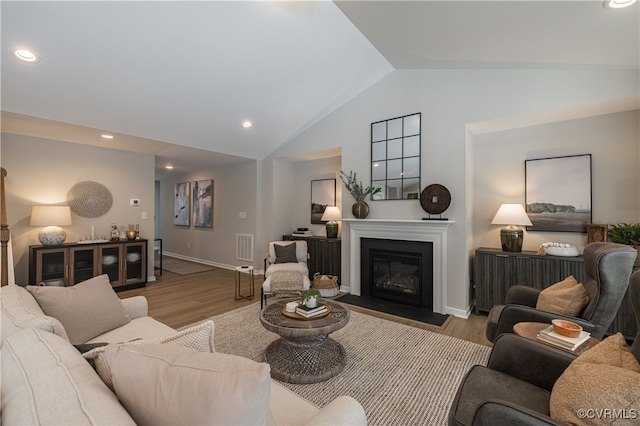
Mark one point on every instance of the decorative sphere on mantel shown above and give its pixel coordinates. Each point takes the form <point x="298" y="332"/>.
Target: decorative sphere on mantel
<point x="52" y="236"/>
<point x="360" y="210"/>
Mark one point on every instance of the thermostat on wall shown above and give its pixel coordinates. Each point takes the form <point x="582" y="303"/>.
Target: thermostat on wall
<point x="134" y="202"/>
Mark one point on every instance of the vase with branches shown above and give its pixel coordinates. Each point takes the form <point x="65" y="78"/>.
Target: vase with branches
<point x="357" y="190"/>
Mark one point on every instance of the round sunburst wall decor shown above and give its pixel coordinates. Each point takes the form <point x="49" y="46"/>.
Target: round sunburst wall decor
<point x="89" y="199"/>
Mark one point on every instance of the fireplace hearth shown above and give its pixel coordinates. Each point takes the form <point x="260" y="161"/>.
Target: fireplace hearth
<point x="398" y="271"/>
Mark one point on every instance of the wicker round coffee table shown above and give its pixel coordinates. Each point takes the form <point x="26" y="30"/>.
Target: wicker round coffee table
<point x="304" y="353"/>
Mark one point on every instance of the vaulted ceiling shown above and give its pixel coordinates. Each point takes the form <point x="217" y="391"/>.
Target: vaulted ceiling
<point x="162" y="76"/>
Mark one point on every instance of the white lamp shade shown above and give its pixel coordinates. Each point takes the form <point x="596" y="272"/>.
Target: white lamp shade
<point x="331" y="213"/>
<point x="50" y="215"/>
<point x="511" y="214"/>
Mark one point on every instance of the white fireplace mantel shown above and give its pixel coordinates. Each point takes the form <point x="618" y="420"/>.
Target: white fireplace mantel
<point x="433" y="231"/>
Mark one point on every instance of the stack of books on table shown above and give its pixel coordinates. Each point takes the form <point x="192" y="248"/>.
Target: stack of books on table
<point x="547" y="335"/>
<point x="302" y="310"/>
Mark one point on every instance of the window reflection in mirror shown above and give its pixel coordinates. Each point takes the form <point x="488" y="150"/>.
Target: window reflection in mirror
<point x="395" y="157"/>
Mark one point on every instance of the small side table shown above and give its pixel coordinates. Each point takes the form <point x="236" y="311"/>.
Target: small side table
<point x="245" y="270"/>
<point x="530" y="330"/>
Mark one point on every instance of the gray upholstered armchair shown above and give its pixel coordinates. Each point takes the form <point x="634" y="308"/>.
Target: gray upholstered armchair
<point x="607" y="267"/>
<point x="515" y="386"/>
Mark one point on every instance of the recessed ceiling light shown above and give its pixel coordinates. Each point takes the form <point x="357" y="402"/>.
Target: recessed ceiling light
<point x="169" y="167"/>
<point x="26" y="55"/>
<point x="247" y="124"/>
<point x="105" y="136"/>
<point x="617" y="4"/>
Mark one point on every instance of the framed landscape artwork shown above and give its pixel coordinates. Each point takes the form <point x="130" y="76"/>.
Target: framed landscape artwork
<point x="203" y="203"/>
<point x="558" y="193"/>
<point x="323" y="194"/>
<point x="181" y="204"/>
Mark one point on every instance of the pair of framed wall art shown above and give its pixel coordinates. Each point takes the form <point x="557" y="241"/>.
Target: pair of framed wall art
<point x="193" y="205"/>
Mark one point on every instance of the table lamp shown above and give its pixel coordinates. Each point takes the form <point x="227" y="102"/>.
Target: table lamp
<point x="511" y="236"/>
<point x="332" y="213"/>
<point x="51" y="217"/>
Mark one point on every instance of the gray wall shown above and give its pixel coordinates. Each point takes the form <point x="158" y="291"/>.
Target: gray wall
<point x="611" y="139"/>
<point x="234" y="191"/>
<point x="41" y="171"/>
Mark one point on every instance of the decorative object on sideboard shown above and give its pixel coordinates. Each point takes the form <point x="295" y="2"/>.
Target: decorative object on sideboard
<point x="360" y="208"/>
<point x="89" y="199"/>
<point x="332" y="214"/>
<point x="512" y="215"/>
<point x="323" y="195"/>
<point x="435" y="199"/>
<point x="51" y="217"/>
<point x="596" y="233"/>
<point x="557" y="249"/>
<point x="626" y="233"/>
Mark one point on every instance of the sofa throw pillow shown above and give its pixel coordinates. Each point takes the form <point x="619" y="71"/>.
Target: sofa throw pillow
<point x="45" y="381"/>
<point x="568" y="297"/>
<point x="199" y="337"/>
<point x="20" y="310"/>
<point x="168" y="385"/>
<point x="285" y="254"/>
<point x="606" y="377"/>
<point x="86" y="309"/>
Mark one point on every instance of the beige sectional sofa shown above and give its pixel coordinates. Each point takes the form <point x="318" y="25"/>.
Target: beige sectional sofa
<point x="46" y="379"/>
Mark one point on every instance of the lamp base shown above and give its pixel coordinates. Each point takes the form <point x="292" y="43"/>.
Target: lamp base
<point x="332" y="230"/>
<point x="511" y="238"/>
<point x="52" y="236"/>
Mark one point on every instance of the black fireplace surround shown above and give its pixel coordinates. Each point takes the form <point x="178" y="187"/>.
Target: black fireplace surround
<point x="397" y="270"/>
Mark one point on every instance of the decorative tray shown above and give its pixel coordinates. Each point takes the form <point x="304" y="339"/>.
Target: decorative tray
<point x="297" y="316"/>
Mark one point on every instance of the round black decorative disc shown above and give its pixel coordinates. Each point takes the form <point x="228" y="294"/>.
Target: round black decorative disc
<point x="435" y="199"/>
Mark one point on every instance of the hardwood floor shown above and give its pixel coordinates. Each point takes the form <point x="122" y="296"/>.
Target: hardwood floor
<point x="180" y="300"/>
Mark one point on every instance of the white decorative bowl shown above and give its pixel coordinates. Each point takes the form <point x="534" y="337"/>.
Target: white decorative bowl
<point x="562" y="251"/>
<point x="57" y="282"/>
<point x="133" y="257"/>
<point x="109" y="260"/>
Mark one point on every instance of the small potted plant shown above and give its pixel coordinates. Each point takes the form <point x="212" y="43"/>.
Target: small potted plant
<point x="626" y="233"/>
<point x="310" y="297"/>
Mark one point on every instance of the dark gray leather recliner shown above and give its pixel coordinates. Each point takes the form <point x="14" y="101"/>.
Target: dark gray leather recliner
<point x="515" y="386"/>
<point x="607" y="267"/>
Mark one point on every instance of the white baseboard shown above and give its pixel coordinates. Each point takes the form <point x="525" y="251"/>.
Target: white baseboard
<point x="208" y="262"/>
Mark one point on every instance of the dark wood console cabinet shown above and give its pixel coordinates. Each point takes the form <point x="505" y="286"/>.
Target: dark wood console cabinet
<point x="324" y="254"/>
<point x="494" y="271"/>
<point x="125" y="262"/>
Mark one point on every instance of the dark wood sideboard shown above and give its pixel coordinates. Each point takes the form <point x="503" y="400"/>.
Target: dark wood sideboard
<point x="125" y="262"/>
<point x="494" y="271"/>
<point x="324" y="254"/>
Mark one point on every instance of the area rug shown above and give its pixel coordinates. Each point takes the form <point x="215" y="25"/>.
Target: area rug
<point x="183" y="267"/>
<point x="398" y="309"/>
<point x="400" y="374"/>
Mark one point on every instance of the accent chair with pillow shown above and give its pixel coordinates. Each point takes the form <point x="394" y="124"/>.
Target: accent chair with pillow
<point x="593" y="304"/>
<point x="288" y="260"/>
<point x="529" y="383"/>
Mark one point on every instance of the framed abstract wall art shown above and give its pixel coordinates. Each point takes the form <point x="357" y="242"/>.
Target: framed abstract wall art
<point x="558" y="193"/>
<point x="181" y="204"/>
<point x="203" y="203"/>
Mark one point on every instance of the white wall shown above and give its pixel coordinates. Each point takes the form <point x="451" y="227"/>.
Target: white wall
<point x="42" y="171"/>
<point x="613" y="140"/>
<point x="234" y="191"/>
<point x="448" y="100"/>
